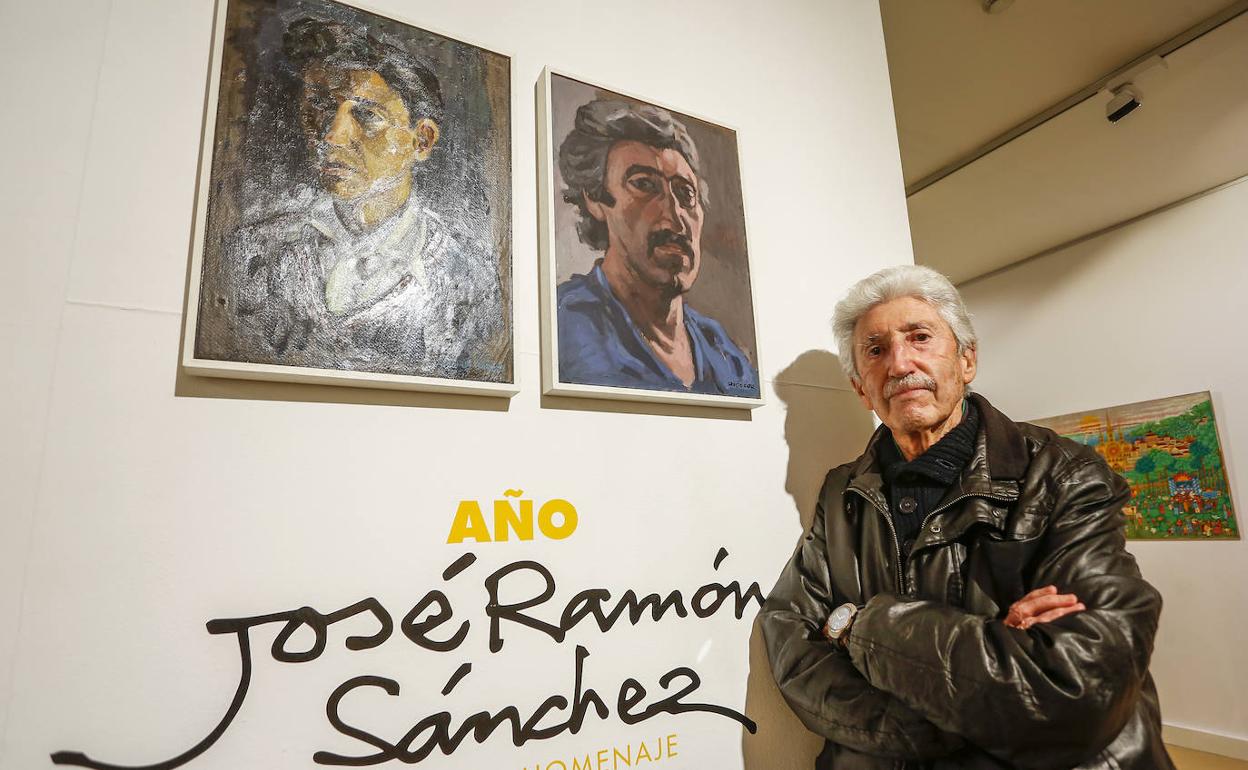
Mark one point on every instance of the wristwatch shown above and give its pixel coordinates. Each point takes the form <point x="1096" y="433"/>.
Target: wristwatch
<point x="836" y="627"/>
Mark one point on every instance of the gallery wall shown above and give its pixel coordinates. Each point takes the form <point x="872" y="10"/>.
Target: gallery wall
<point x="140" y="503"/>
<point x="1150" y="310"/>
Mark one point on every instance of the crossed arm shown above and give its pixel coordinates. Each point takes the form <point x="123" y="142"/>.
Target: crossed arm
<point x="818" y="678"/>
<point x="921" y="679"/>
<point x="1057" y="692"/>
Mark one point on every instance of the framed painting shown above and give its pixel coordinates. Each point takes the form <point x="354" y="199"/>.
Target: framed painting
<point x="1168" y="450"/>
<point x="353" y="220"/>
<point x="645" y="274"/>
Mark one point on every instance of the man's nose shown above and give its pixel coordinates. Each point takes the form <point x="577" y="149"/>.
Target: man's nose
<point x="673" y="211"/>
<point x="342" y="130"/>
<point x="900" y="360"/>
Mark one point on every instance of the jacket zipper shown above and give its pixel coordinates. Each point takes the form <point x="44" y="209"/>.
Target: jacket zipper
<point x="959" y="499"/>
<point x="901" y="578"/>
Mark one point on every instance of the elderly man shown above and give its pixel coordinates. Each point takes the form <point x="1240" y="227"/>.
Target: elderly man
<point x="963" y="598"/>
<point x="356" y="271"/>
<point x="632" y="171"/>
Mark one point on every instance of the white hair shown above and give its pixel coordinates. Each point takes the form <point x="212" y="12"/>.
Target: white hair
<point x="891" y="283"/>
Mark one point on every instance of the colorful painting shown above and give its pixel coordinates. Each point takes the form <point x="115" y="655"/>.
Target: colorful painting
<point x="355" y="220"/>
<point x="646" y="279"/>
<point x="1168" y="451"/>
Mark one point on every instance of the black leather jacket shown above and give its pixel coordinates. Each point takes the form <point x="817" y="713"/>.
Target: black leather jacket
<point x="932" y="677"/>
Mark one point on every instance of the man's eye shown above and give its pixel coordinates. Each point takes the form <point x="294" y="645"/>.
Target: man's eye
<point x="368" y="117"/>
<point x="645" y="184"/>
<point x="922" y="337"/>
<point x="874" y="350"/>
<point x="685" y="195"/>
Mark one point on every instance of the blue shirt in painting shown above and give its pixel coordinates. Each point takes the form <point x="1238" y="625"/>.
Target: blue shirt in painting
<point x="600" y="345"/>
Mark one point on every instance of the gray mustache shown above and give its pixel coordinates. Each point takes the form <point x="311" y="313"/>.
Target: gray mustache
<point x="911" y="380"/>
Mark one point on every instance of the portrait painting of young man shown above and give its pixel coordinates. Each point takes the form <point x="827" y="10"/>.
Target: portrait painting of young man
<point x="359" y="206"/>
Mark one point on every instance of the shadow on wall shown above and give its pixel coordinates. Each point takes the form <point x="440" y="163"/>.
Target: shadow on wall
<point x="824" y="425"/>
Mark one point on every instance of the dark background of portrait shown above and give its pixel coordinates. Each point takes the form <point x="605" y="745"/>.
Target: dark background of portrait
<point x="722" y="290"/>
<point x="260" y="159"/>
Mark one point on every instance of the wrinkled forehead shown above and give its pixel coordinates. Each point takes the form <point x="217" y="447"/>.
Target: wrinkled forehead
<point x="346" y="82"/>
<point x="902" y="315"/>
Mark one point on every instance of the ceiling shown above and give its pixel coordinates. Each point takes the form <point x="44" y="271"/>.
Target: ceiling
<point x="962" y="78"/>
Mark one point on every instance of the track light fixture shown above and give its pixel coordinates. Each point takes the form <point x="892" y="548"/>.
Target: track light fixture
<point x="1123" y="101"/>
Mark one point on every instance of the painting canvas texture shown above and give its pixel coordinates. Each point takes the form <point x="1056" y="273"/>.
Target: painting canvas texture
<point x="651" y="269"/>
<point x="359" y="205"/>
<point x="1168" y="451"/>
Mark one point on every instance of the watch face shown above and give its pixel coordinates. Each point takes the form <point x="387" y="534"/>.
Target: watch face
<point x="839" y="619"/>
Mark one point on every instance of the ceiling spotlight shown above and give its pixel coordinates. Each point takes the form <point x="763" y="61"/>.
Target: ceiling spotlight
<point x="996" y="6"/>
<point x="1123" y="101"/>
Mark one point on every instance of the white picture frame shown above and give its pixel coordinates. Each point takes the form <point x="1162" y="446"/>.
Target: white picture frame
<point x="193" y="360"/>
<point x="549" y="201"/>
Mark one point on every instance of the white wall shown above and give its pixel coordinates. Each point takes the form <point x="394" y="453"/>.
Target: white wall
<point x="139" y="503"/>
<point x="1153" y="309"/>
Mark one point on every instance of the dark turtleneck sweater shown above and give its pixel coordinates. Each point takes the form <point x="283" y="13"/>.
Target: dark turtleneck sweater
<point x="914" y="489"/>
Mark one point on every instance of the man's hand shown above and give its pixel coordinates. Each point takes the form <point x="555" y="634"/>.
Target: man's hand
<point x="1042" y="605"/>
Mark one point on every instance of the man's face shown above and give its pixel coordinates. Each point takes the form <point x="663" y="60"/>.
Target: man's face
<point x="360" y="132"/>
<point x="656" y="222"/>
<point x="909" y="370"/>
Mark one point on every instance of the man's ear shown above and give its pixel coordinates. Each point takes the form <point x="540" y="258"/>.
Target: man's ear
<point x="969" y="361"/>
<point x="596" y="209"/>
<point x="426" y="136"/>
<point x="862" y="394"/>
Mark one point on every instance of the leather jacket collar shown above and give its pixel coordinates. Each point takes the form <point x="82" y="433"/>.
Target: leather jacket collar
<point x="991" y="476"/>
